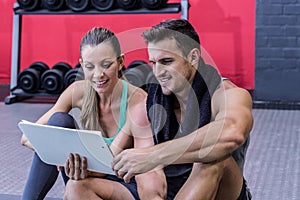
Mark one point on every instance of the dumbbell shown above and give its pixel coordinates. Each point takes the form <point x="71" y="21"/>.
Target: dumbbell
<point x="78" y="5"/>
<point x="29" y="4"/>
<point x="78" y="65"/>
<point x="103" y="5"/>
<point x="54" y="5"/>
<point x="137" y="72"/>
<point x="53" y="79"/>
<point x="154" y="4"/>
<point x="129" y="4"/>
<point x="73" y="75"/>
<point x="29" y="80"/>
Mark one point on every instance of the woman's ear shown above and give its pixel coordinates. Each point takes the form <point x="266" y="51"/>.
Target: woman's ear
<point x="121" y="60"/>
<point x="194" y="57"/>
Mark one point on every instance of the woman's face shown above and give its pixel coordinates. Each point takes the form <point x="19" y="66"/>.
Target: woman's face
<point x="100" y="66"/>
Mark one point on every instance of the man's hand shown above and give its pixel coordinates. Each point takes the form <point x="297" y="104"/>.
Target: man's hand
<point x="131" y="162"/>
<point x="76" y="167"/>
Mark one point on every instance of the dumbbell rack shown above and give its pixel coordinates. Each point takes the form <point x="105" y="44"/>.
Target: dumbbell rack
<point x="17" y="94"/>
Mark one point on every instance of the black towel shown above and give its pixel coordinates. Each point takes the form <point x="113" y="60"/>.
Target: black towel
<point x="198" y="111"/>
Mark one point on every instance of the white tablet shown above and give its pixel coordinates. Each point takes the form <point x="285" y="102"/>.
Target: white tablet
<point x="54" y="144"/>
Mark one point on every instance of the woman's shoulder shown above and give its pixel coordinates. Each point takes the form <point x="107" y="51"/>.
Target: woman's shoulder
<point x="136" y="93"/>
<point x="137" y="106"/>
<point x="75" y="91"/>
<point x="136" y="98"/>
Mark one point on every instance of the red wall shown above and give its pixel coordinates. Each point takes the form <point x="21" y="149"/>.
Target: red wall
<point x="226" y="29"/>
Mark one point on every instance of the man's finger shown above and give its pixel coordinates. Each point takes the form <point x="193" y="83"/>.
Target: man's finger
<point x="121" y="173"/>
<point x="116" y="161"/>
<point x="127" y="177"/>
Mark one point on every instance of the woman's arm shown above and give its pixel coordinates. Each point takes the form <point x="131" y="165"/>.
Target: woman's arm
<point x="70" y="98"/>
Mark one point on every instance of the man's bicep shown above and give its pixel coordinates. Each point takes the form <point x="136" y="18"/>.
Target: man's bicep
<point x="236" y="107"/>
<point x="141" y="129"/>
<point x="239" y="104"/>
<point x="143" y="137"/>
<point x="232" y="102"/>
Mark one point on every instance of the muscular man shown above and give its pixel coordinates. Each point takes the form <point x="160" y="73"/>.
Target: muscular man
<point x="199" y="120"/>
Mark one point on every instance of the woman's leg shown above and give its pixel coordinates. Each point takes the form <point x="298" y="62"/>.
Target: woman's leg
<point x="40" y="180"/>
<point x="42" y="176"/>
<point x="99" y="188"/>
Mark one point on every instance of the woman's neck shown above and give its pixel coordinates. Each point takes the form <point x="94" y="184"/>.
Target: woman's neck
<point x="106" y="100"/>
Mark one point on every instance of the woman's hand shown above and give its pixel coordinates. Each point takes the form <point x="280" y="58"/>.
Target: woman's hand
<point x="76" y="167"/>
<point x="25" y="142"/>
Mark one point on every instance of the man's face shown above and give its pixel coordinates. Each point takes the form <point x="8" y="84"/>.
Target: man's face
<point x="173" y="72"/>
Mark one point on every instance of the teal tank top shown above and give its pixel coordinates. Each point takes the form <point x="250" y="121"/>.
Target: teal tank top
<point x="122" y="118"/>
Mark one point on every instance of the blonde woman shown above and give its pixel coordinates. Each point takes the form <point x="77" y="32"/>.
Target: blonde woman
<point x="117" y="109"/>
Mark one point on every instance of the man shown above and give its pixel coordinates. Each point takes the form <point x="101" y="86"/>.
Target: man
<point x="198" y="119"/>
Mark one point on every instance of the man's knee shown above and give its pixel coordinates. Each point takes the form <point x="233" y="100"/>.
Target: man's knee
<point x="208" y="171"/>
<point x="153" y="192"/>
<point x="155" y="188"/>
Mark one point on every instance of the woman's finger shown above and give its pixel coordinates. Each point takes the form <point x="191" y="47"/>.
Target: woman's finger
<point x="71" y="166"/>
<point x="84" y="171"/>
<point x="67" y="169"/>
<point x="77" y="172"/>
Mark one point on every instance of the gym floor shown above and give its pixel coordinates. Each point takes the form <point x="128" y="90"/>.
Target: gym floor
<point x="272" y="166"/>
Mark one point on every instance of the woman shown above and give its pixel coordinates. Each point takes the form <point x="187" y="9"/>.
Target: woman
<point x="108" y="104"/>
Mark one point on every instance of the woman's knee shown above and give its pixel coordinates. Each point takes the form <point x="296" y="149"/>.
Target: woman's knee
<point x="62" y="119"/>
<point x="75" y="189"/>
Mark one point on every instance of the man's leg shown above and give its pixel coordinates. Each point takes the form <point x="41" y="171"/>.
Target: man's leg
<point x="96" y="188"/>
<point x="202" y="183"/>
<point x="232" y="181"/>
<point x="152" y="185"/>
<point x="222" y="180"/>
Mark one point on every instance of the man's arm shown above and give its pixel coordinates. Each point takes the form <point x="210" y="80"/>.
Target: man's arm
<point x="232" y="123"/>
<point x="151" y="185"/>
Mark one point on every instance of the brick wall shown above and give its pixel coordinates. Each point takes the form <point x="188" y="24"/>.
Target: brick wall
<point x="277" y="68"/>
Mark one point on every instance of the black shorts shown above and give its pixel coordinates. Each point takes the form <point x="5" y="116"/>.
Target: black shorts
<point x="132" y="187"/>
<point x="174" y="185"/>
<point x="245" y="193"/>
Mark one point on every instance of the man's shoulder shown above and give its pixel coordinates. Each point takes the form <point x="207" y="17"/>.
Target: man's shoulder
<point x="230" y="95"/>
<point x="228" y="90"/>
<point x="228" y="86"/>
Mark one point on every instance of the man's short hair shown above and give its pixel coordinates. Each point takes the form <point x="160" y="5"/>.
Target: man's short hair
<point x="181" y="30"/>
